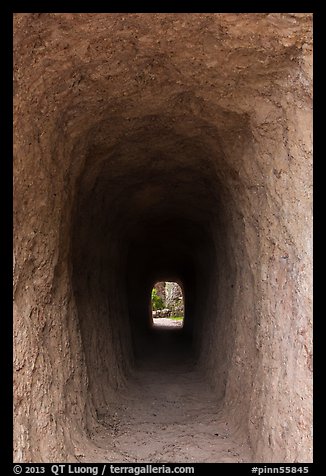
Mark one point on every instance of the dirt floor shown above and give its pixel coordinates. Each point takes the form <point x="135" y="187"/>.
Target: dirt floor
<point x="167" y="413"/>
<point x="165" y="322"/>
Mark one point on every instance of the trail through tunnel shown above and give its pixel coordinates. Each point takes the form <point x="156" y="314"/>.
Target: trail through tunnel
<point x="153" y="147"/>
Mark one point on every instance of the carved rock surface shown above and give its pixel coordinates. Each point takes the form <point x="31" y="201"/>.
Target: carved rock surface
<point x="152" y="147"/>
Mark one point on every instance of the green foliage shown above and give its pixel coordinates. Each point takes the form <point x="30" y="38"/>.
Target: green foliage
<point x="157" y="302"/>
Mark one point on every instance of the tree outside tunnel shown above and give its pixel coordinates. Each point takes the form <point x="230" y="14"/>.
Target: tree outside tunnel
<point x="167" y="304"/>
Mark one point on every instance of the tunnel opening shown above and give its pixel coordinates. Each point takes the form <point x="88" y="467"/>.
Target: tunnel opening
<point x="167" y="305"/>
<point x="138" y="160"/>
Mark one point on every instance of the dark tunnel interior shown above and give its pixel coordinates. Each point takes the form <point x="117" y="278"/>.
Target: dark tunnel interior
<point x="140" y="222"/>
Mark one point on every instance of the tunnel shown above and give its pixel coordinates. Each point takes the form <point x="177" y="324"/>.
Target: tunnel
<point x="162" y="147"/>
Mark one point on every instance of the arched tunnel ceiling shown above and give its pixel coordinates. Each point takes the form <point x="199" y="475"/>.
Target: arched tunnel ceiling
<point x="149" y="66"/>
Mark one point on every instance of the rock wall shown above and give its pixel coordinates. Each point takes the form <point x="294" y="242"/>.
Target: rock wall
<point x="174" y="299"/>
<point x="182" y="140"/>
